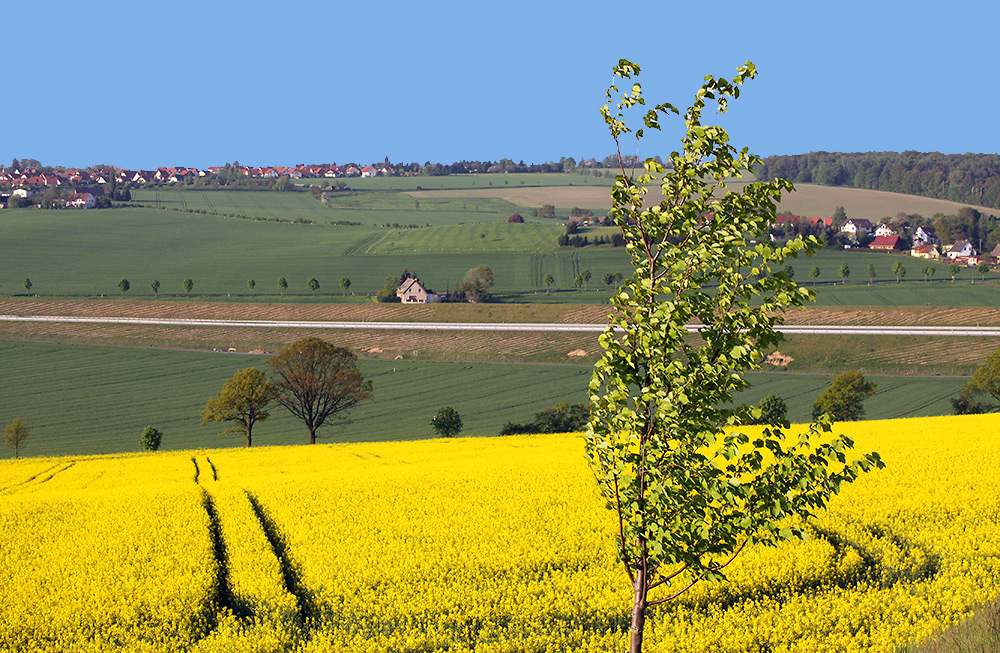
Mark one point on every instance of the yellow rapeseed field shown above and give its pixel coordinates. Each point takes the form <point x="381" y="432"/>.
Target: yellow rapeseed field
<point x="483" y="545"/>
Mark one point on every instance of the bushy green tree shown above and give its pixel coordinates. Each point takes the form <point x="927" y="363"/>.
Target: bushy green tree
<point x="899" y="270"/>
<point x="870" y="271"/>
<point x="124" y="286"/>
<point x="814" y="273"/>
<point x="844" y="272"/>
<point x="188" y="285"/>
<point x="345" y="283"/>
<point x="773" y="410"/>
<point x="447" y="422"/>
<point x="843" y="400"/>
<point x="313" y="285"/>
<point x="690" y="490"/>
<point x="477" y="284"/>
<point x="317" y="381"/>
<point x="156" y="287"/>
<point x="282" y="285"/>
<point x="243" y="400"/>
<point x="150" y="438"/>
<point x="548" y="281"/>
<point x="251" y="284"/>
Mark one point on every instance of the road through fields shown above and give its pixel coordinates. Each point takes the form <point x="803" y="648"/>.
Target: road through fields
<point x="812" y="329"/>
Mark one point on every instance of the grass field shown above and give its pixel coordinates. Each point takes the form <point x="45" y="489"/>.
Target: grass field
<point x="83" y="399"/>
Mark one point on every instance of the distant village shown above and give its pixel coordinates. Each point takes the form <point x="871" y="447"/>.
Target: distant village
<point x="84" y="189"/>
<point x="920" y="242"/>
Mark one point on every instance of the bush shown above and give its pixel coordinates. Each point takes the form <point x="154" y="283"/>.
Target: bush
<point x="150" y="438"/>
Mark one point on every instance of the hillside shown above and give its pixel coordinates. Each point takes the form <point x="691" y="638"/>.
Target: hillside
<point x="471" y="545"/>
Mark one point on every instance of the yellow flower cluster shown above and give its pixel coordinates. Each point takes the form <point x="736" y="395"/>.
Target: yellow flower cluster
<point x="486" y="545"/>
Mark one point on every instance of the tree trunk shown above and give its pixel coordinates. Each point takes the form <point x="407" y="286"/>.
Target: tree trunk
<point x="638" y="612"/>
<point x="249" y="436"/>
<point x="312" y="435"/>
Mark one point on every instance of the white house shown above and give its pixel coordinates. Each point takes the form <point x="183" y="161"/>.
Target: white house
<point x="885" y="230"/>
<point x="411" y="292"/>
<point x="925" y="235"/>
<point x="857" y="227"/>
<point x="961" y="249"/>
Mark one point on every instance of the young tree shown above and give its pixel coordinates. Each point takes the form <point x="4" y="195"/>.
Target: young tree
<point x="313" y="285"/>
<point x="27" y="284"/>
<point x="345" y="283"/>
<point x="578" y="281"/>
<point x="870" y="270"/>
<point x="282" y="285"/>
<point x="316" y="381"/>
<point x="150" y="438"/>
<point x="188" y="285"/>
<point x="844" y="272"/>
<point x="899" y="270"/>
<point x="156" y="287"/>
<point x="982" y="269"/>
<point x="548" y="281"/>
<point x="124" y="285"/>
<point x="608" y="279"/>
<point x="251" y="284"/>
<point x="15" y="434"/>
<point x="586" y="276"/>
<point x="243" y="400"/>
<point x="931" y="270"/>
<point x="663" y="439"/>
<point x="986" y="379"/>
<point x="477" y="284"/>
<point x="814" y="273"/>
<point x="447" y="422"/>
<point x="843" y="399"/>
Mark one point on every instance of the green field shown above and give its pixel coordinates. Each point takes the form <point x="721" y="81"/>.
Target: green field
<point x="81" y="399"/>
<point x="463" y="182"/>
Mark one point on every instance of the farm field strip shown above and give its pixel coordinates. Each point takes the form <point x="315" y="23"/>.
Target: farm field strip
<point x="495" y="545"/>
<point x="803" y="329"/>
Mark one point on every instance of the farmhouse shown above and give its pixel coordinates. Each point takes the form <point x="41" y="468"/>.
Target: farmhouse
<point x="412" y="292"/>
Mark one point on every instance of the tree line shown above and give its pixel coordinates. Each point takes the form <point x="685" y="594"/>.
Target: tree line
<point x="967" y="178"/>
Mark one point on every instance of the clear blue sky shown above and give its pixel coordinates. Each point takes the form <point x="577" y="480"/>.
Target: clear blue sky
<point x="142" y="84"/>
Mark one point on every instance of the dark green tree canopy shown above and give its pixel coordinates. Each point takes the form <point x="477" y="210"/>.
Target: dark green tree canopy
<point x="447" y="422"/>
<point x="477" y="284"/>
<point x="844" y="399"/>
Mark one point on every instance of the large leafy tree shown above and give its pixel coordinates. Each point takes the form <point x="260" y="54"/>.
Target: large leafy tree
<point x="843" y="400"/>
<point x="243" y="400"/>
<point x="317" y="381"/>
<point x="690" y="488"/>
<point x="15" y="435"/>
<point x="477" y="284"/>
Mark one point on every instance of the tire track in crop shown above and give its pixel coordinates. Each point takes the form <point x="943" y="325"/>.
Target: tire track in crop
<point x="240" y="529"/>
<point x="16" y="487"/>
<point x="293" y="583"/>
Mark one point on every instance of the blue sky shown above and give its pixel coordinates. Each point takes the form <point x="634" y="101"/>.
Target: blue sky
<point x="198" y="84"/>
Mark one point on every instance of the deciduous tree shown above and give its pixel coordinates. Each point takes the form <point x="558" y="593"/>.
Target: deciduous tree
<point x="844" y="272"/>
<point x="953" y="270"/>
<point x="313" y="285"/>
<point x="899" y="270"/>
<point x="243" y="400"/>
<point x="870" y="271"/>
<point x="814" y="273"/>
<point x="317" y="381"/>
<point x="27" y="284"/>
<point x="251" y="284"/>
<point x="548" y="281"/>
<point x="124" y="285"/>
<point x="150" y="438"/>
<point x="345" y="283"/>
<point x="15" y="435"/>
<point x="689" y="489"/>
<point x="282" y="285"/>
<point x="156" y="287"/>
<point x="477" y="284"/>
<point x="188" y="285"/>
<point x="447" y="422"/>
<point x="843" y="400"/>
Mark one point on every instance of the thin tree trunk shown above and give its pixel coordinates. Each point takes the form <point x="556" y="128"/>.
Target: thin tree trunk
<point x="638" y="612"/>
<point x="249" y="436"/>
<point x="312" y="435"/>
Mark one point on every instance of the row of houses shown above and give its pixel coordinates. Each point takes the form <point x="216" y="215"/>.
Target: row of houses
<point x="31" y="178"/>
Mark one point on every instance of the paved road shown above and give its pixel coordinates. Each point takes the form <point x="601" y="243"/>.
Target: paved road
<point x="817" y="329"/>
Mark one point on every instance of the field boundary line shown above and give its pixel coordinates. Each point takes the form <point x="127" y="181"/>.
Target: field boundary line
<point x="814" y="329"/>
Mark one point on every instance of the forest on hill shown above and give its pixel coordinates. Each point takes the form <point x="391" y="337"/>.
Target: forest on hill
<point x="967" y="178"/>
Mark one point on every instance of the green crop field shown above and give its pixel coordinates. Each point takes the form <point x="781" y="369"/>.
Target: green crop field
<point x="461" y="182"/>
<point x="80" y="399"/>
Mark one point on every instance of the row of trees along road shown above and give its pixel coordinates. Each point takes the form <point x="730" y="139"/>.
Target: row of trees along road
<point x="313" y="380"/>
<point x="689" y="489"/>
